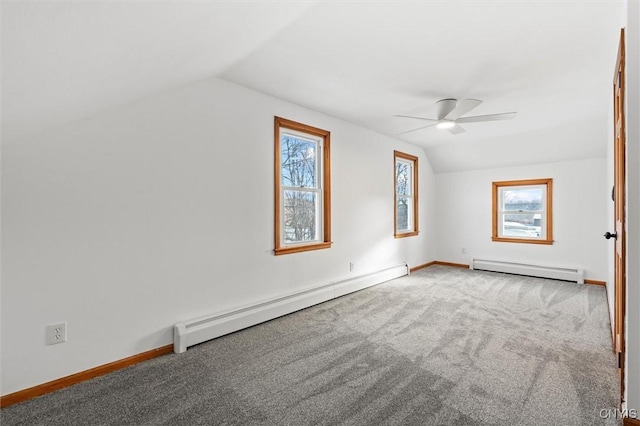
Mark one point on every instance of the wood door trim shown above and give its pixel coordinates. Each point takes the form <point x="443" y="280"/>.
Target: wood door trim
<point x="627" y="421"/>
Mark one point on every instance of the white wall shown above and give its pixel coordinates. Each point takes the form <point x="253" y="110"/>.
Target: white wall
<point x="161" y="211"/>
<point x="580" y="195"/>
<point x="633" y="205"/>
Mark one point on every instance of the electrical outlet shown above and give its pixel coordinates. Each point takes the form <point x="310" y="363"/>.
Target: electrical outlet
<point x="56" y="333"/>
<point x="464" y="250"/>
<point x="352" y="266"/>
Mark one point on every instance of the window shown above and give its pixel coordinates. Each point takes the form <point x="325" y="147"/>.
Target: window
<point x="406" y="194"/>
<point x="302" y="188"/>
<point x="522" y="211"/>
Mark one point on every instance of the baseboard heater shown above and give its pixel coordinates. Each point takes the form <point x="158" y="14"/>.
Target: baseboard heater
<point x="558" y="273"/>
<point x="198" y="330"/>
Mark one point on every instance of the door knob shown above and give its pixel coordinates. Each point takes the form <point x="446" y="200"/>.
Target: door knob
<point x="608" y="235"/>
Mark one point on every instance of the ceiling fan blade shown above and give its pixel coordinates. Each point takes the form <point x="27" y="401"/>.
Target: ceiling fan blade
<point x="456" y="129"/>
<point x="417" y="118"/>
<point x="462" y="108"/>
<point x="419" y="128"/>
<point x="444" y="107"/>
<point x="490" y="117"/>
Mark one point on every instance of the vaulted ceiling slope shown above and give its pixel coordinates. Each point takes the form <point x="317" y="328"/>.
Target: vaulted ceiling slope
<point x="364" y="62"/>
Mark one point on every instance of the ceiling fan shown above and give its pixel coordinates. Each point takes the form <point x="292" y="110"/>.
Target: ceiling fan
<point x="449" y="115"/>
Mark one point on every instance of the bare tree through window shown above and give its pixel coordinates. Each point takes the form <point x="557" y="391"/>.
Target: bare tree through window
<point x="402" y="190"/>
<point x="299" y="180"/>
<point x="406" y="194"/>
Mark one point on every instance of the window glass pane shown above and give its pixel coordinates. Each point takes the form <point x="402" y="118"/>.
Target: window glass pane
<point x="298" y="162"/>
<point x="522" y="199"/>
<point x="300" y="213"/>
<point x="403" y="209"/>
<point x="403" y="178"/>
<point x="522" y="225"/>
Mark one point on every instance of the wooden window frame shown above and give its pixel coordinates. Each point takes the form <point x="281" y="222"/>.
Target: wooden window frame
<point x="325" y="179"/>
<point x="548" y="214"/>
<point x="414" y="160"/>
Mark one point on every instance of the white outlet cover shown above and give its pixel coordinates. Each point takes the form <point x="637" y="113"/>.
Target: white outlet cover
<point x="56" y="333"/>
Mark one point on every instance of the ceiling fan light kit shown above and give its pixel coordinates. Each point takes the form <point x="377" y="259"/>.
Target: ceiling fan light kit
<point x="449" y="115"/>
<point x="445" y="124"/>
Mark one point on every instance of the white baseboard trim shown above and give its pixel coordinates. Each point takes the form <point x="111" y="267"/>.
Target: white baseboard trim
<point x="189" y="333"/>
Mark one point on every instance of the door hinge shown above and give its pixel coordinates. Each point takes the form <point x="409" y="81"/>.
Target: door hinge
<point x="619" y="359"/>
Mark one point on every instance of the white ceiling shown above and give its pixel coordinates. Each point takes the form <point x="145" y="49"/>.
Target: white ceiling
<point x="364" y="62"/>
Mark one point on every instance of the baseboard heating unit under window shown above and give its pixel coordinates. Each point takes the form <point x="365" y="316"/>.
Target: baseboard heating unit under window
<point x="189" y="333"/>
<point x="558" y="273"/>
